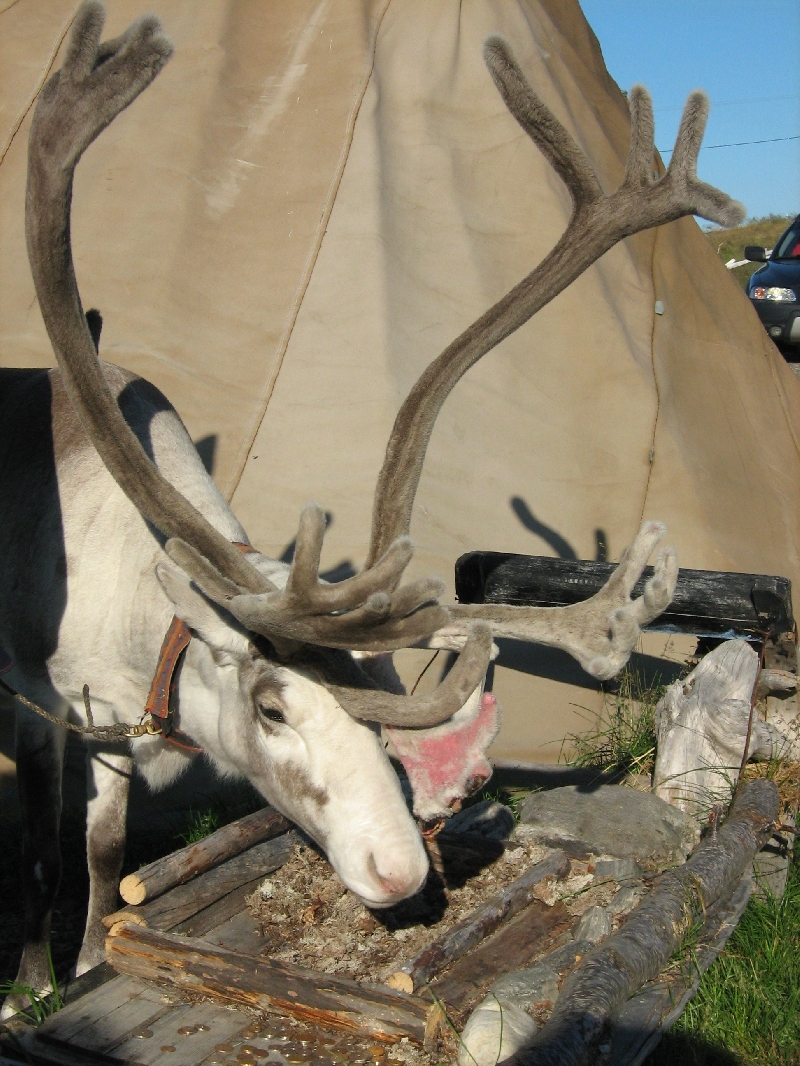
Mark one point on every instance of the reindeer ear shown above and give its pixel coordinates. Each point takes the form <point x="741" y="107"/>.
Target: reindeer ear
<point x="213" y="625"/>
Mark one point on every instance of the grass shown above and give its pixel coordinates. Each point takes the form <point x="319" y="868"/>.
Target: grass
<point x="730" y="243"/>
<point x="42" y="1004"/>
<point x="201" y="824"/>
<point x="747" y="1009"/>
<point x="622" y="740"/>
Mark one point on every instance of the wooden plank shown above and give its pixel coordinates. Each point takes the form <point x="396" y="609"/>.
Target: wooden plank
<point x="241" y="933"/>
<point x="107" y="1030"/>
<point x="69" y="1022"/>
<point x="263" y="984"/>
<point x="215" y="916"/>
<point x="513" y="947"/>
<point x="457" y="941"/>
<point x="706" y="602"/>
<point x="187" y="863"/>
<point x="220" y="1025"/>
<point x="173" y="908"/>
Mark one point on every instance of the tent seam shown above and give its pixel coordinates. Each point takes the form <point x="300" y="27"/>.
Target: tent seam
<point x="42" y="78"/>
<point x="652" y="455"/>
<point x="311" y="262"/>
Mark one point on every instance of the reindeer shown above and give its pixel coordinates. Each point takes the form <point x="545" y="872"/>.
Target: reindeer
<point x="112" y="527"/>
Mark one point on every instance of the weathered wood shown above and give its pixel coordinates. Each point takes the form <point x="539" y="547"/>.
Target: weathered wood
<point x="702" y="724"/>
<point x="512" y="947"/>
<point x="183" y="865"/>
<point x="243" y="980"/>
<point x="484" y="920"/>
<point x="650" y="1013"/>
<point x="218" y="913"/>
<point x="172" y="908"/>
<point x="594" y="993"/>
<point x="706" y="602"/>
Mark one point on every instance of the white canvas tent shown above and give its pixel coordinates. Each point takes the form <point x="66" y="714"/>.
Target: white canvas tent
<point x="313" y="199"/>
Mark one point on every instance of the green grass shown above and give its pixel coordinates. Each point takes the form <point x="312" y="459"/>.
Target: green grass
<point x="747" y="1009"/>
<point x="730" y="243"/>
<point x="41" y="1004"/>
<point x="622" y="739"/>
<point x="201" y="824"/>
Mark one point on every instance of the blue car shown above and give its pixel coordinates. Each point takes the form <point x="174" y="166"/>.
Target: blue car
<point x="775" y="288"/>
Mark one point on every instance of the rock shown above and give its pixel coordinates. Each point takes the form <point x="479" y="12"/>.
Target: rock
<point x="609" y="820"/>
<point x="594" y="926"/>
<point x="626" y="899"/>
<point x="617" y="870"/>
<point x="523" y="988"/>
<point x="488" y="818"/>
<point x="494" y="1031"/>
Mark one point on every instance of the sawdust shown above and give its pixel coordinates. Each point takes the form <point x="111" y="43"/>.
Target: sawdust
<point x="308" y="917"/>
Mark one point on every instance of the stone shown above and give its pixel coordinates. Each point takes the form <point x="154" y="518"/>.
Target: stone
<point x="619" y="870"/>
<point x="495" y="1030"/>
<point x="489" y="818"/>
<point x="626" y="899"/>
<point x="609" y="820"/>
<point x="594" y="926"/>
<point x="523" y="988"/>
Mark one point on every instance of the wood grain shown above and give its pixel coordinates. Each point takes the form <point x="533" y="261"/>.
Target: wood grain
<point x="706" y="602"/>
<point x="262" y="984"/>
<point x="181" y="866"/>
<point x="458" y="940"/>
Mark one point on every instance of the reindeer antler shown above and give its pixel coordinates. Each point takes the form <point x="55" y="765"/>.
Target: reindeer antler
<point x="598" y="222"/>
<point x="95" y="84"/>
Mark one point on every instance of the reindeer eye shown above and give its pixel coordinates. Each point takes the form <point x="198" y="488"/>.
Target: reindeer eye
<point x="271" y="713"/>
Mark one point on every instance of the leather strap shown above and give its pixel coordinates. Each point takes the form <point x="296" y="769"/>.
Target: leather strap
<point x="160" y="703"/>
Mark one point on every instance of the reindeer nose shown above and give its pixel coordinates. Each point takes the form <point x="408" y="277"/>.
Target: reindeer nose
<point x="394" y="883"/>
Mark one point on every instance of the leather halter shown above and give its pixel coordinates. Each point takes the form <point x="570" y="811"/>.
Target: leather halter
<point x="161" y="704"/>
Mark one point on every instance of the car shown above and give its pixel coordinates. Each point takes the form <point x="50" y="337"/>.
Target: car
<point x="775" y="287"/>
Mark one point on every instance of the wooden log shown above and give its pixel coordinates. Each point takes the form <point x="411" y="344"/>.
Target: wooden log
<point x="265" y="985"/>
<point x="480" y="923"/>
<point x="512" y="947"/>
<point x="595" y="992"/>
<point x="172" y="908"/>
<point x="701" y="726"/>
<point x="181" y="866"/>
<point x="706" y="602"/>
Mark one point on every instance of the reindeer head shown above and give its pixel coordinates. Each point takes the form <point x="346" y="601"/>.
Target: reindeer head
<point x="296" y="713"/>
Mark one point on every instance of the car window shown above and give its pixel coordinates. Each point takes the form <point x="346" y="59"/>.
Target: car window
<point x="789" y="245"/>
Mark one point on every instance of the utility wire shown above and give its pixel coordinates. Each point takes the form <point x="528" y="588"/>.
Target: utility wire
<point x="736" y="144"/>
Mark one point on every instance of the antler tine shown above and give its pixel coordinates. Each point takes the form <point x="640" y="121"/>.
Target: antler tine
<point x="639" y="169"/>
<point x="708" y="201"/>
<point x="95" y="84"/>
<point x="422" y="712"/>
<point x="539" y="122"/>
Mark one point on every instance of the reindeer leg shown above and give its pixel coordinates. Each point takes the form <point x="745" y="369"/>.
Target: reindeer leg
<point x="107" y="784"/>
<point x="40" y="757"/>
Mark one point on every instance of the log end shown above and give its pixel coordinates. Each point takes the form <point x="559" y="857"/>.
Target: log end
<point x="401" y="982"/>
<point x="132" y="889"/>
<point x="123" y="917"/>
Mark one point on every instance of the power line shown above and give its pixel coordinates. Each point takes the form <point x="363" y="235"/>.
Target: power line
<point x="736" y="144"/>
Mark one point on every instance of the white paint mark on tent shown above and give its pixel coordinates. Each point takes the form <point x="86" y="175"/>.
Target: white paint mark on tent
<point x="274" y="98"/>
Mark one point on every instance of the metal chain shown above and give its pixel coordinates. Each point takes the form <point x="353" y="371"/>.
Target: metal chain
<point x="116" y="732"/>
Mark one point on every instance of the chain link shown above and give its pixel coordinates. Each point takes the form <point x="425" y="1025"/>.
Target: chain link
<point x="104" y="733"/>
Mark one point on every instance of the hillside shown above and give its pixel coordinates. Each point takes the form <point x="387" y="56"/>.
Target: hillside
<point x="730" y="243"/>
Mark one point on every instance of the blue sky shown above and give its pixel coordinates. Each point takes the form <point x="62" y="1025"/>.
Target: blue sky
<point x="746" y="55"/>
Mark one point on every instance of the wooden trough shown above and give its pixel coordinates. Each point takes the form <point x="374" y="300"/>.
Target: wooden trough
<point x="189" y="978"/>
<point x="188" y="982"/>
